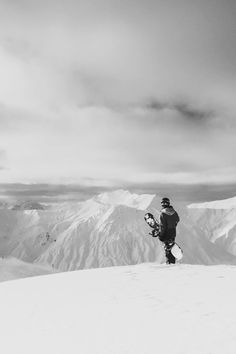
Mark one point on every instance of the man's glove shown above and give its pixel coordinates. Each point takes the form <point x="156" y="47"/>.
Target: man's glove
<point x="154" y="233"/>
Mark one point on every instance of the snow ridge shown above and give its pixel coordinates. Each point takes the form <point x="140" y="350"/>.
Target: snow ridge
<point x="218" y="204"/>
<point x="122" y="197"/>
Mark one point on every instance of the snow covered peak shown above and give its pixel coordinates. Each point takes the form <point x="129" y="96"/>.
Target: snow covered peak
<point x="218" y="204"/>
<point x="122" y="197"/>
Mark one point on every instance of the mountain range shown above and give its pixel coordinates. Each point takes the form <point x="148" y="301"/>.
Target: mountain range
<point x="109" y="230"/>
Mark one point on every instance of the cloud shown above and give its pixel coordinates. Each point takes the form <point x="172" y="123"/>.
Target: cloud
<point x="113" y="146"/>
<point x="76" y="51"/>
<point x="187" y="193"/>
<point x="76" y="78"/>
<point x="192" y="114"/>
<point x="3" y="159"/>
<point x="48" y="192"/>
<point x="185" y="109"/>
<point x="157" y="105"/>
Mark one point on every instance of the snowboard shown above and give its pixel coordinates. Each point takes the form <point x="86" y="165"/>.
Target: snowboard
<point x="152" y="222"/>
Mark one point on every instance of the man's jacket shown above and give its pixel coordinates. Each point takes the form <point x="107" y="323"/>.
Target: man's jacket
<point x="168" y="222"/>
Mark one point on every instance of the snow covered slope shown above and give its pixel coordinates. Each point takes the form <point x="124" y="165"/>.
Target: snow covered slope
<point x="106" y="230"/>
<point x="140" y="309"/>
<point x="218" y="204"/>
<point x="217" y="220"/>
<point x="13" y="268"/>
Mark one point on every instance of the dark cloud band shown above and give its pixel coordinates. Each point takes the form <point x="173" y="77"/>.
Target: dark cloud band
<point x="185" y="110"/>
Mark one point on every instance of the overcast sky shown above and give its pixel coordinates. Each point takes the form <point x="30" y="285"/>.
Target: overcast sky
<point x="98" y="92"/>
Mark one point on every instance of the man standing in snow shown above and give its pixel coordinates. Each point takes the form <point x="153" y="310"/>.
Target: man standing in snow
<point x="168" y="222"/>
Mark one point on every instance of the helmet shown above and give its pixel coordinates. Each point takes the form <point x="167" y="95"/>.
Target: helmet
<point x="165" y="201"/>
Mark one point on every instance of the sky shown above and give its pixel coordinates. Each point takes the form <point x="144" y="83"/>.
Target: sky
<point x="108" y="92"/>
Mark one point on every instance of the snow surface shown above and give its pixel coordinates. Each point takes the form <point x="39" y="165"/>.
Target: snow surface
<point x="143" y="309"/>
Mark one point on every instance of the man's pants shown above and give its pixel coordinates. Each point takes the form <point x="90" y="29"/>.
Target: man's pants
<point x="170" y="259"/>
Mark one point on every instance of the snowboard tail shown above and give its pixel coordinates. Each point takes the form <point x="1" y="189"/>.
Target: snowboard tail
<point x="177" y="251"/>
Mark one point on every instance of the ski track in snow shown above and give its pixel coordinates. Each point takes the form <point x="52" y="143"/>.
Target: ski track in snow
<point x="147" y="308"/>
